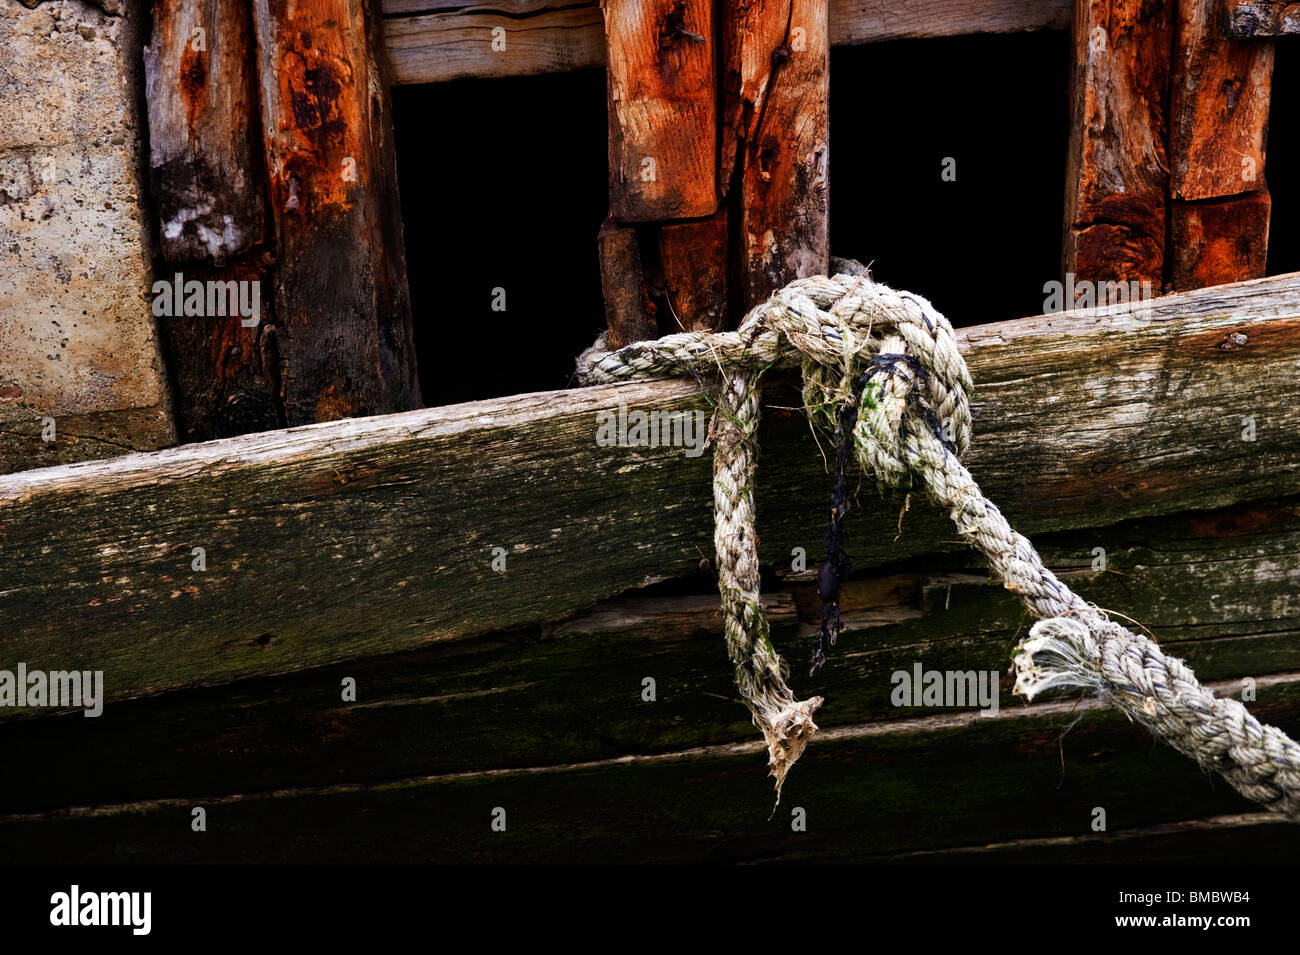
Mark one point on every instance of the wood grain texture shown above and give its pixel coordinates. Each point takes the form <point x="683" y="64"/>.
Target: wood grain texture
<point x="336" y="541"/>
<point x="691" y="272"/>
<point x="430" y="41"/>
<point x="1116" y="171"/>
<point x="342" y="307"/>
<point x="1219" y="106"/>
<point x="205" y="153"/>
<point x="775" y="130"/>
<point x="662" y="109"/>
<point x="1217" y="241"/>
<point x="457" y="43"/>
<point x="1216" y="588"/>
<point x="1261" y="18"/>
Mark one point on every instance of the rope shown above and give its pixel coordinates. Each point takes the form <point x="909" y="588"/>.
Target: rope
<point x="892" y="361"/>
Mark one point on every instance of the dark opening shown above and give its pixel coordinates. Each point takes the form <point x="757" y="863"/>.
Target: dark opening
<point x="503" y="186"/>
<point x="979" y="247"/>
<point x="1282" y="160"/>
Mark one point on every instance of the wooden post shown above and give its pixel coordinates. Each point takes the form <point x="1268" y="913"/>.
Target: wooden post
<point x="1218" y="122"/>
<point x="692" y="274"/>
<point x="205" y="155"/>
<point x="662" y="109"/>
<point x="1115" y="177"/>
<point x="775" y="125"/>
<point x="341" y="298"/>
<point x="206" y="176"/>
<point x="629" y="312"/>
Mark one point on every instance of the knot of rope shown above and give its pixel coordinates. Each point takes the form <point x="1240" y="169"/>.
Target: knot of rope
<point x="882" y="373"/>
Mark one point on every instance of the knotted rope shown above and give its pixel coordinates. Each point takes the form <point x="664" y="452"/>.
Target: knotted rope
<point x="882" y="367"/>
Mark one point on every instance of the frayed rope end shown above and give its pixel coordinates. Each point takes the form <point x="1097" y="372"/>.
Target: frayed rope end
<point x="788" y="730"/>
<point x="1059" y="652"/>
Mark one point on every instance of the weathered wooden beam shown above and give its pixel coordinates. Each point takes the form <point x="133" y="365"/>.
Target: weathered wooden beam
<point x="206" y="175"/>
<point x="341" y="304"/>
<point x="1116" y="176"/>
<point x="345" y="539"/>
<point x="1214" y="587"/>
<point x="488" y="40"/>
<point x="775" y="129"/>
<point x="430" y="41"/>
<point x="1262" y="18"/>
<point x="866" y="790"/>
<point x="1217" y="241"/>
<point x="662" y="109"/>
<point x="205" y="157"/>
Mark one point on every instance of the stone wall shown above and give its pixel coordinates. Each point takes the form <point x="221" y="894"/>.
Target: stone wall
<point x="77" y="335"/>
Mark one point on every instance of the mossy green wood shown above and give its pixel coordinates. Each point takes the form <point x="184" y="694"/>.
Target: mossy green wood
<point x="1218" y="587"/>
<point x="354" y="538"/>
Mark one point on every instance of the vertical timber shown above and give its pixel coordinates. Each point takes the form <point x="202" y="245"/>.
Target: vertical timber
<point x="1219" y="105"/>
<point x="1116" y="175"/>
<point x="341" y="298"/>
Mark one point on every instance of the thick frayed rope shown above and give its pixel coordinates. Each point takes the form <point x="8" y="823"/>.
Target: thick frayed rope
<point x="895" y="357"/>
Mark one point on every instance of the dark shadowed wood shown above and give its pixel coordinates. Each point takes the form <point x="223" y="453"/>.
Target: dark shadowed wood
<point x="775" y="127"/>
<point x="204" y="131"/>
<point x="629" y="310"/>
<point x="872" y="789"/>
<point x="342" y="540"/>
<point x="1116" y="176"/>
<point x="662" y="109"/>
<point x="227" y="374"/>
<point x="1217" y="241"/>
<point x="1213" y="587"/>
<point x="1263" y="18"/>
<point x="341" y="304"/>
<point x="1219" y="108"/>
<point x="692" y="274"/>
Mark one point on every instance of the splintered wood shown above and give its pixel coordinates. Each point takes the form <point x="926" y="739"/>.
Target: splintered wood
<point x="729" y="200"/>
<point x="776" y="129"/>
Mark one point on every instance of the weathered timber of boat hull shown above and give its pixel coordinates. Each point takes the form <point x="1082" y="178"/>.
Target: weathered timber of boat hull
<point x="363" y="549"/>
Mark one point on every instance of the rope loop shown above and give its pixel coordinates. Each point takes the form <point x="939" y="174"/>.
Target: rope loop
<point x="884" y="366"/>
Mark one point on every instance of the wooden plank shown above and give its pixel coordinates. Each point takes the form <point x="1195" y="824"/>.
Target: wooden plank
<point x="692" y="273"/>
<point x="1219" y="107"/>
<point x="346" y="347"/>
<point x="1263" y="18"/>
<point x="775" y="128"/>
<point x="871" y="21"/>
<point x="205" y="158"/>
<point x="662" y="109"/>
<point x="430" y="41"/>
<point x="1116" y="175"/>
<point x="375" y="535"/>
<point x="1217" y="241"/>
<point x="629" y="311"/>
<point x="477" y="40"/>
<point x="1216" y="588"/>
<point x="866" y="790"/>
